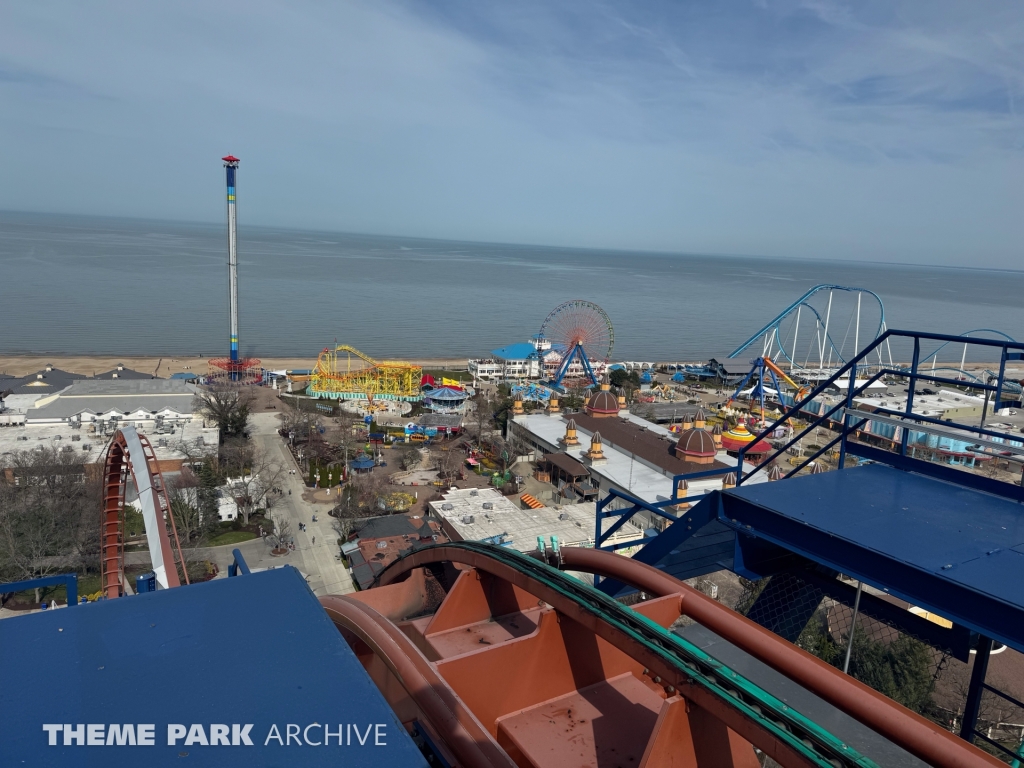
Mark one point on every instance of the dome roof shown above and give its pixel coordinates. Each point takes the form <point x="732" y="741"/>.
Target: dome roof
<point x="699" y="415"/>
<point x="818" y="467"/>
<point x="696" y="442"/>
<point x="603" y="401"/>
<point x="596" y="437"/>
<point x="775" y="472"/>
<point x="716" y="430"/>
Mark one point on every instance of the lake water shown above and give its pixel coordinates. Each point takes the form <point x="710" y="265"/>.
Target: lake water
<point x="79" y="285"/>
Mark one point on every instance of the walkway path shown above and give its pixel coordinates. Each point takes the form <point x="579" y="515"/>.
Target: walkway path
<point x="326" y="574"/>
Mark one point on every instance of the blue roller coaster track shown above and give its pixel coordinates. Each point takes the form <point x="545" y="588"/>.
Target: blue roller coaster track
<point x="771" y="333"/>
<point x="961" y="372"/>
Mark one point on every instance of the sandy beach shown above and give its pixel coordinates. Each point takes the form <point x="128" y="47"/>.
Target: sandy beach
<point x="90" y="365"/>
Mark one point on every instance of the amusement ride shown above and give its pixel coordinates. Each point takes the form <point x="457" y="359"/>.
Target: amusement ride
<point x="833" y="323"/>
<point x="345" y="373"/>
<point x="581" y="332"/>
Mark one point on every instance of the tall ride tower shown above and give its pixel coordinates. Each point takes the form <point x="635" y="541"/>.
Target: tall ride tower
<point x="244" y="370"/>
<point x="231" y="166"/>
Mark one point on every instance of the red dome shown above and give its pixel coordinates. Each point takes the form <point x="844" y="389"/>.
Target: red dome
<point x="602" y="402"/>
<point x="696" y="442"/>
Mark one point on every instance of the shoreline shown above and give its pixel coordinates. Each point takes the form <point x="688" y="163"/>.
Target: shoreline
<point x="90" y="365"/>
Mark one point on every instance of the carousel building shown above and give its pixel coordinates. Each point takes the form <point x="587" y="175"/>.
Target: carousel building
<point x="445" y="399"/>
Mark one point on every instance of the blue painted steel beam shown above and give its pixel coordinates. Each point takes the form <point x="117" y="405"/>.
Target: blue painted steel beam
<point x="1008" y="351"/>
<point x="956" y="601"/>
<point x="69" y="580"/>
<point x="238" y="565"/>
<point x="943" y="472"/>
<point x="563" y="368"/>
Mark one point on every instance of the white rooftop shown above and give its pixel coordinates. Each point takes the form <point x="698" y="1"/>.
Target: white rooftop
<point x="634" y="474"/>
<point x="926" y="405"/>
<point x="573" y="524"/>
<point x="91" y="445"/>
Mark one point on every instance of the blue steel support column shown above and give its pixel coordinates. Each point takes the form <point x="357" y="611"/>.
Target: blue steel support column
<point x="999" y="383"/>
<point x="905" y="437"/>
<point x="976" y="688"/>
<point x="846" y="415"/>
<point x="231" y="166"/>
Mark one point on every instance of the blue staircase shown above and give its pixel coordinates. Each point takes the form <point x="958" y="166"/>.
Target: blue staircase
<point x="936" y="536"/>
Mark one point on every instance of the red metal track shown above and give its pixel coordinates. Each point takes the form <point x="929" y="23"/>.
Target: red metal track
<point x="115" y="477"/>
<point x="504" y="670"/>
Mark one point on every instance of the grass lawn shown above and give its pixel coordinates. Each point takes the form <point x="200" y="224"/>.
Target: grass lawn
<point x="231" y="537"/>
<point x="87" y="584"/>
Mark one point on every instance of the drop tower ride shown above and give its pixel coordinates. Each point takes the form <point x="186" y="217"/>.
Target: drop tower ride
<point x="231" y="166"/>
<point x="242" y="370"/>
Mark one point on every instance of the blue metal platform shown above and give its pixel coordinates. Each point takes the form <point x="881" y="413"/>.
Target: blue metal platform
<point x="953" y="550"/>
<point x="255" y="651"/>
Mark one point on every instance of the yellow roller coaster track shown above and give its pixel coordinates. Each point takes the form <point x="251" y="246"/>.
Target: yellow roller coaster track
<point x="335" y="378"/>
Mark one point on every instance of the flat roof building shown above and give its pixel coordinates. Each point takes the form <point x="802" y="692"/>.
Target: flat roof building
<point x="125" y="400"/>
<point x="638" y="456"/>
<point x="472" y="514"/>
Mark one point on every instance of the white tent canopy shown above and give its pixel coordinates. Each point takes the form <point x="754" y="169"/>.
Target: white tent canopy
<point x="858" y="383"/>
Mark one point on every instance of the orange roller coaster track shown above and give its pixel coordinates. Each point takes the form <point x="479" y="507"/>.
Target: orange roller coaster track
<point x="130" y="453"/>
<point x="494" y="658"/>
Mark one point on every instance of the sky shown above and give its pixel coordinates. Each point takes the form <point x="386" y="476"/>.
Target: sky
<point x="869" y="130"/>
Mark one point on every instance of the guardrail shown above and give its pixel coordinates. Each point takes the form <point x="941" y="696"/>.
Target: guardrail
<point x="852" y="420"/>
<point x="844" y="409"/>
<point x="69" y="580"/>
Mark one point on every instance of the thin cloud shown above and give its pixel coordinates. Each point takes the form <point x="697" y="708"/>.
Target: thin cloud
<point x="808" y="128"/>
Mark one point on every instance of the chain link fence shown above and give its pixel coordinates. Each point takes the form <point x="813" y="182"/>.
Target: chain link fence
<point x="890" y="659"/>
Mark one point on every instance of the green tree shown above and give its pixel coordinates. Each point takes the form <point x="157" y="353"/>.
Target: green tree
<point x="900" y="670"/>
<point x="624" y="379"/>
<point x="817" y="640"/>
<point x="209" y="502"/>
<point x="575" y="397"/>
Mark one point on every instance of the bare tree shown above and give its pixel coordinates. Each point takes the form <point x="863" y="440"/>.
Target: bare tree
<point x="449" y="463"/>
<point x="372" y="489"/>
<point x="227" y="406"/>
<point x="193" y="523"/>
<point x="251" y="476"/>
<point x="953" y="686"/>
<point x="280" y="537"/>
<point x="49" y="515"/>
<point x="504" y="453"/>
<point x="410" y="458"/>
<point x="298" y="423"/>
<point x="345" y="439"/>
<point x="483" y="414"/>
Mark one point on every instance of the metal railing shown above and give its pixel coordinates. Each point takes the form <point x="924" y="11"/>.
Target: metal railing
<point x="69" y="580"/>
<point x="850" y="421"/>
<point x="845" y="411"/>
<point x="972" y="732"/>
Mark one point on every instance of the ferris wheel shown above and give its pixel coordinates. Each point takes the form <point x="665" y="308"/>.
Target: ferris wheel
<point x="580" y="323"/>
